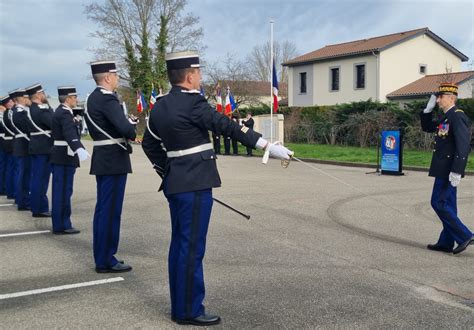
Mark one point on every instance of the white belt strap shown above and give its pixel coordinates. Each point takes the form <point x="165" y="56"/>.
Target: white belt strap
<point x="7" y="137"/>
<point x="100" y="129"/>
<point x="22" y="135"/>
<point x="60" y="143"/>
<point x="190" y="151"/>
<point x="6" y="127"/>
<point x="108" y="142"/>
<point x="39" y="129"/>
<point x="41" y="133"/>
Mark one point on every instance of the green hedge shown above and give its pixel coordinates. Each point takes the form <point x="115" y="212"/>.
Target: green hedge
<point x="357" y="123"/>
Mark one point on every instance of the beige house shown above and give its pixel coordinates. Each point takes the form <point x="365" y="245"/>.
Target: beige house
<point x="368" y="68"/>
<point x="424" y="87"/>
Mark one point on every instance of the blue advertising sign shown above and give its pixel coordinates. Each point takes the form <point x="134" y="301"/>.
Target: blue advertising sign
<point x="391" y="152"/>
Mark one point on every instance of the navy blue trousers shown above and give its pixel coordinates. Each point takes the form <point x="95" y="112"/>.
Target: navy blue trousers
<point x="444" y="203"/>
<point x="10" y="176"/>
<point x="107" y="217"/>
<point x="40" y="174"/>
<point x="22" y="192"/>
<point x="63" y="181"/>
<point x="190" y="214"/>
<point x="3" y="167"/>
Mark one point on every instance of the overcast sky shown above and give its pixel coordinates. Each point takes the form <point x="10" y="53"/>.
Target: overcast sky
<point x="47" y="41"/>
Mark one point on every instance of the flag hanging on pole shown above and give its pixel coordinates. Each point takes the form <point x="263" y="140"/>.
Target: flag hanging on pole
<point x="152" y="97"/>
<point x="218" y="99"/>
<point x="141" y="103"/>
<point x="275" y="88"/>
<point x="229" y="103"/>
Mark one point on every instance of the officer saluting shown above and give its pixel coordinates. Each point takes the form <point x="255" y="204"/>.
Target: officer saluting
<point x="41" y="142"/>
<point x="177" y="143"/>
<point x="453" y="135"/>
<point x="19" y="120"/>
<point x="66" y="153"/>
<point x="110" y="129"/>
<point x="8" y="137"/>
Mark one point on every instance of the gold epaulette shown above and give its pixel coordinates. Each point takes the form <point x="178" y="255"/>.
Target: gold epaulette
<point x="459" y="110"/>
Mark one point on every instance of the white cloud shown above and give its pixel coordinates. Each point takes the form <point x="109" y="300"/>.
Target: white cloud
<point x="47" y="41"/>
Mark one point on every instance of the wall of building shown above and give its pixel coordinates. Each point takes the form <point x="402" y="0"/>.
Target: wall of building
<point x="295" y="97"/>
<point x="400" y="64"/>
<point x="466" y="89"/>
<point x="347" y="80"/>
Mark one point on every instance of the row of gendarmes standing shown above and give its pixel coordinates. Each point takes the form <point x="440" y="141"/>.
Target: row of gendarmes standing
<point x="35" y="140"/>
<point x="177" y="143"/>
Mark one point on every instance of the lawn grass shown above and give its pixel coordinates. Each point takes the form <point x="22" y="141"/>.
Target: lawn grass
<point x="350" y="154"/>
<point x="362" y="155"/>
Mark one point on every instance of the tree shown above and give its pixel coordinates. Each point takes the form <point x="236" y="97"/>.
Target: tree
<point x="234" y="74"/>
<point x="137" y="33"/>
<point x="259" y="60"/>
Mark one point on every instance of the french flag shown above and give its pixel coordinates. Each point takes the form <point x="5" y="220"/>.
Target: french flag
<point x="229" y="103"/>
<point x="152" y="97"/>
<point x="275" y="88"/>
<point x="218" y="99"/>
<point x="141" y="103"/>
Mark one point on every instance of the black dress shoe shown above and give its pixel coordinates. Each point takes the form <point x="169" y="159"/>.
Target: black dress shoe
<point x="42" y="215"/>
<point x="203" y="320"/>
<point x="117" y="268"/>
<point x="24" y="209"/>
<point x="461" y="247"/>
<point x="70" y="231"/>
<point x="437" y="247"/>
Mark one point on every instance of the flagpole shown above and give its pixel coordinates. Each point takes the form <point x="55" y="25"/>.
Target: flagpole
<point x="271" y="77"/>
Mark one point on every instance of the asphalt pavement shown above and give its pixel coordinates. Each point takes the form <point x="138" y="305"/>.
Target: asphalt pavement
<point x="326" y="247"/>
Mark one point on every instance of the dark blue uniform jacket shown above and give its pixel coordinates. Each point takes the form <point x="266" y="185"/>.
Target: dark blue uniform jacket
<point x="105" y="110"/>
<point x="182" y="119"/>
<point x="65" y="129"/>
<point x="452" y="139"/>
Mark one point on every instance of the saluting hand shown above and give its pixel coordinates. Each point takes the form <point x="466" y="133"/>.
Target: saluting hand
<point x="431" y="104"/>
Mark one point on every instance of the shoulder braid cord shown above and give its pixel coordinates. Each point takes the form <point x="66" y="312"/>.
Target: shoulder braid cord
<point x="100" y="129"/>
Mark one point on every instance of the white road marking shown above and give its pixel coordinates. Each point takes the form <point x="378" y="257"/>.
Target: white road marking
<point x="59" y="288"/>
<point x="7" y="204"/>
<point x="26" y="233"/>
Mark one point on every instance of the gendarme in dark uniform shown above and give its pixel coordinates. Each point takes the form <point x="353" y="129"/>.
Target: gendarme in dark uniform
<point x="111" y="130"/>
<point x="177" y="143"/>
<point x="9" y="135"/>
<point x="19" y="120"/>
<point x="41" y="142"/>
<point x="65" y="155"/>
<point x="450" y="154"/>
<point x="3" y="154"/>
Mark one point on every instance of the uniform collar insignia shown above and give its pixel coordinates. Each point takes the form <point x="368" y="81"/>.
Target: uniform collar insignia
<point x="21" y="108"/>
<point x="104" y="91"/>
<point x="65" y="107"/>
<point x="191" y="91"/>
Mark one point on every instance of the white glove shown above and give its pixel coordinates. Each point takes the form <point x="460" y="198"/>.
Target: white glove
<point x="279" y="151"/>
<point x="83" y="154"/>
<point x="454" y="178"/>
<point x="431" y="104"/>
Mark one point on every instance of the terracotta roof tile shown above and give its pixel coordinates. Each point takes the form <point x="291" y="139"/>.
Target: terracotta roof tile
<point x="429" y="84"/>
<point x="360" y="46"/>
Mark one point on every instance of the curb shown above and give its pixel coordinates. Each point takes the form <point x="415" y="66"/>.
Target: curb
<point x="350" y="164"/>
